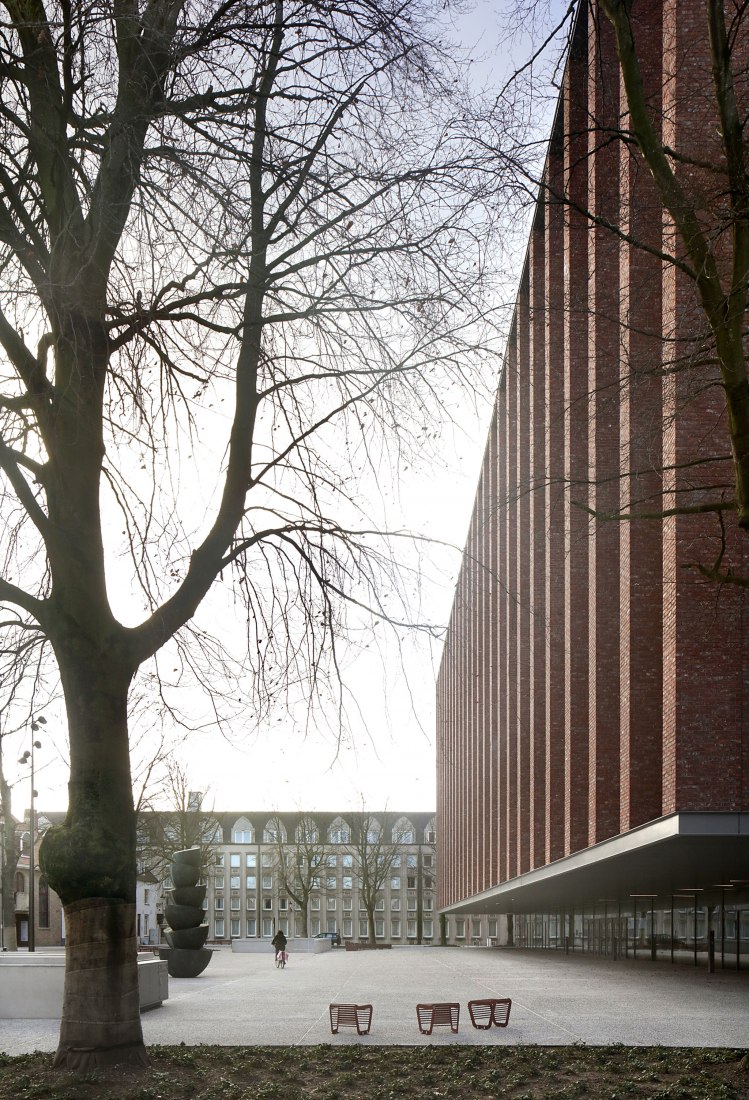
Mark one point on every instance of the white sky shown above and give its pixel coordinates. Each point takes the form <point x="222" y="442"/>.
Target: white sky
<point x="390" y="758"/>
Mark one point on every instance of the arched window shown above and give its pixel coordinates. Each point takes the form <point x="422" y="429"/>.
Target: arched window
<point x="20" y="883"/>
<point x="274" y="831"/>
<point x="373" y="830"/>
<point x="307" y="831"/>
<point x="430" y="833"/>
<point x="403" y="831"/>
<point x="339" y="832"/>
<point x="243" y="832"/>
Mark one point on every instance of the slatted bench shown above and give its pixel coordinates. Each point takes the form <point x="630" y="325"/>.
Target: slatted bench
<point x="358" y="1016"/>
<point x="490" y="1011"/>
<point x="440" y="1014"/>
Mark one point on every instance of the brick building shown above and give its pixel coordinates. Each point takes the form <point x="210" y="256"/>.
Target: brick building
<point x="593" y="696"/>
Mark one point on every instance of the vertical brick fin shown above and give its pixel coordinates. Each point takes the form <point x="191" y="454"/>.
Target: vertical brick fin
<point x="502" y="638"/>
<point x="576" y="419"/>
<point x="554" y="517"/>
<point x="537" y="537"/>
<point x="603" y="434"/>
<point x="513" y="600"/>
<point x="641" y="454"/>
<point x="523" y="511"/>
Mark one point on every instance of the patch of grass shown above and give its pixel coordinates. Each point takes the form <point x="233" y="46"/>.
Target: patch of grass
<point x="394" y="1073"/>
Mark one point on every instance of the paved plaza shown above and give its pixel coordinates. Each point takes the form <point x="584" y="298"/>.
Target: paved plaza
<point x="241" y="999"/>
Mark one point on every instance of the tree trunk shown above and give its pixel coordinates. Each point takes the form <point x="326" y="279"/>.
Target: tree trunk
<point x="101" y="1010"/>
<point x="90" y="862"/>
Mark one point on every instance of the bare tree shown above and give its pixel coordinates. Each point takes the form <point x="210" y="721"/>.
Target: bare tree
<point x="377" y="852"/>
<point x="242" y="251"/>
<point x="173" y="818"/>
<point x="300" y="863"/>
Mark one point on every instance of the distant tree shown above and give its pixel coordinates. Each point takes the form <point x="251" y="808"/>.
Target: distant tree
<point x="377" y="852"/>
<point x="179" y="822"/>
<point x="300" y="863"/>
<point x="243" y="251"/>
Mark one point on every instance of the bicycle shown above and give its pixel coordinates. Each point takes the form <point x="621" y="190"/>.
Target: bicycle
<point x="281" y="957"/>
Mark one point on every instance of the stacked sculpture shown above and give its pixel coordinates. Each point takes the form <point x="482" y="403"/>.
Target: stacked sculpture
<point x="186" y="956"/>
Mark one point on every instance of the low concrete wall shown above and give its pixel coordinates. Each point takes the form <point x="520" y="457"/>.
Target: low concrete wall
<point x="31" y="986"/>
<point x="311" y="946"/>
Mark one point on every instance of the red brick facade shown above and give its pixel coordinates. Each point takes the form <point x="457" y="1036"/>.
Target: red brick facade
<point x="592" y="680"/>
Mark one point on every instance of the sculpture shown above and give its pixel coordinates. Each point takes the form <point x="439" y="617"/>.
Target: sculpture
<point x="186" y="956"/>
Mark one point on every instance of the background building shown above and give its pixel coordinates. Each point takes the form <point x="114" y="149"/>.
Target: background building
<point x="593" y="696"/>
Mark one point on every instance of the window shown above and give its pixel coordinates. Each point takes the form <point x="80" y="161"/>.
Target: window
<point x="428" y="861"/>
<point x="242" y="833"/>
<point x="395" y="904"/>
<point x="380" y="904"/>
<point x="476" y="929"/>
<point x="347" y="861"/>
<point x="218" y="882"/>
<point x="236" y="903"/>
<point x="43" y="915"/>
<point x="338" y="833"/>
<point x="283" y="904"/>
<point x="267" y="903"/>
<point x="219" y="903"/>
<point x="395" y="929"/>
<point x="267" y="859"/>
<point x="403" y="832"/>
<point x="218" y="927"/>
<point x="347" y="882"/>
<point x="315" y="926"/>
<point x="146" y="895"/>
<point x="379" y="928"/>
<point x="331" y="903"/>
<point x="395" y="883"/>
<point x="251" y="926"/>
<point x="428" y="929"/>
<point x="330" y="882"/>
<point x="283" y="925"/>
<point x="363" y="929"/>
<point x="348" y="929"/>
<point x="267" y="927"/>
<point x="430" y="836"/>
<point x="411" y="860"/>
<point x="347" y="905"/>
<point x="428" y="905"/>
<point x="428" y="882"/>
<point x="315" y="903"/>
<point x="220" y="859"/>
<point x="145" y="924"/>
<point x="331" y="925"/>
<point x="267" y="882"/>
<point x="20" y="883"/>
<point x="411" y="928"/>
<point x="250" y="860"/>
<point x="235" y="860"/>
<point x="412" y="905"/>
<point x="297" y="926"/>
<point x="492" y="926"/>
<point x="412" y="882"/>
<point x="332" y="860"/>
<point x="251" y="882"/>
<point x="234" y="929"/>
<point x="251" y="903"/>
<point x="234" y="881"/>
<point x="460" y="928"/>
<point x="396" y="861"/>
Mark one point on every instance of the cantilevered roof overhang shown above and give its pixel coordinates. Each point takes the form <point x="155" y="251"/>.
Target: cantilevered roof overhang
<point x="682" y="854"/>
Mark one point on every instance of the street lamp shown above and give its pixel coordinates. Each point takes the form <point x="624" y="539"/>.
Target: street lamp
<point x="28" y="757"/>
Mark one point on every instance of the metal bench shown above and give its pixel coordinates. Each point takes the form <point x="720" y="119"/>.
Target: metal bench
<point x="491" y="1010"/>
<point x="358" y="1016"/>
<point x="440" y="1014"/>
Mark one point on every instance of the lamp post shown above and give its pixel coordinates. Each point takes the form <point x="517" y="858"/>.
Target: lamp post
<point x="28" y="758"/>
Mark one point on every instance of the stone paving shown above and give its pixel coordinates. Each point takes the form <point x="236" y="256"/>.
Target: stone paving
<point x="242" y="999"/>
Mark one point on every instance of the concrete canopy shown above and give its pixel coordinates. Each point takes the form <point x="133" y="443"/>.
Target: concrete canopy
<point x="682" y="854"/>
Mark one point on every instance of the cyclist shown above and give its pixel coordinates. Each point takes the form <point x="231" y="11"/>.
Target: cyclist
<point x="279" y="942"/>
